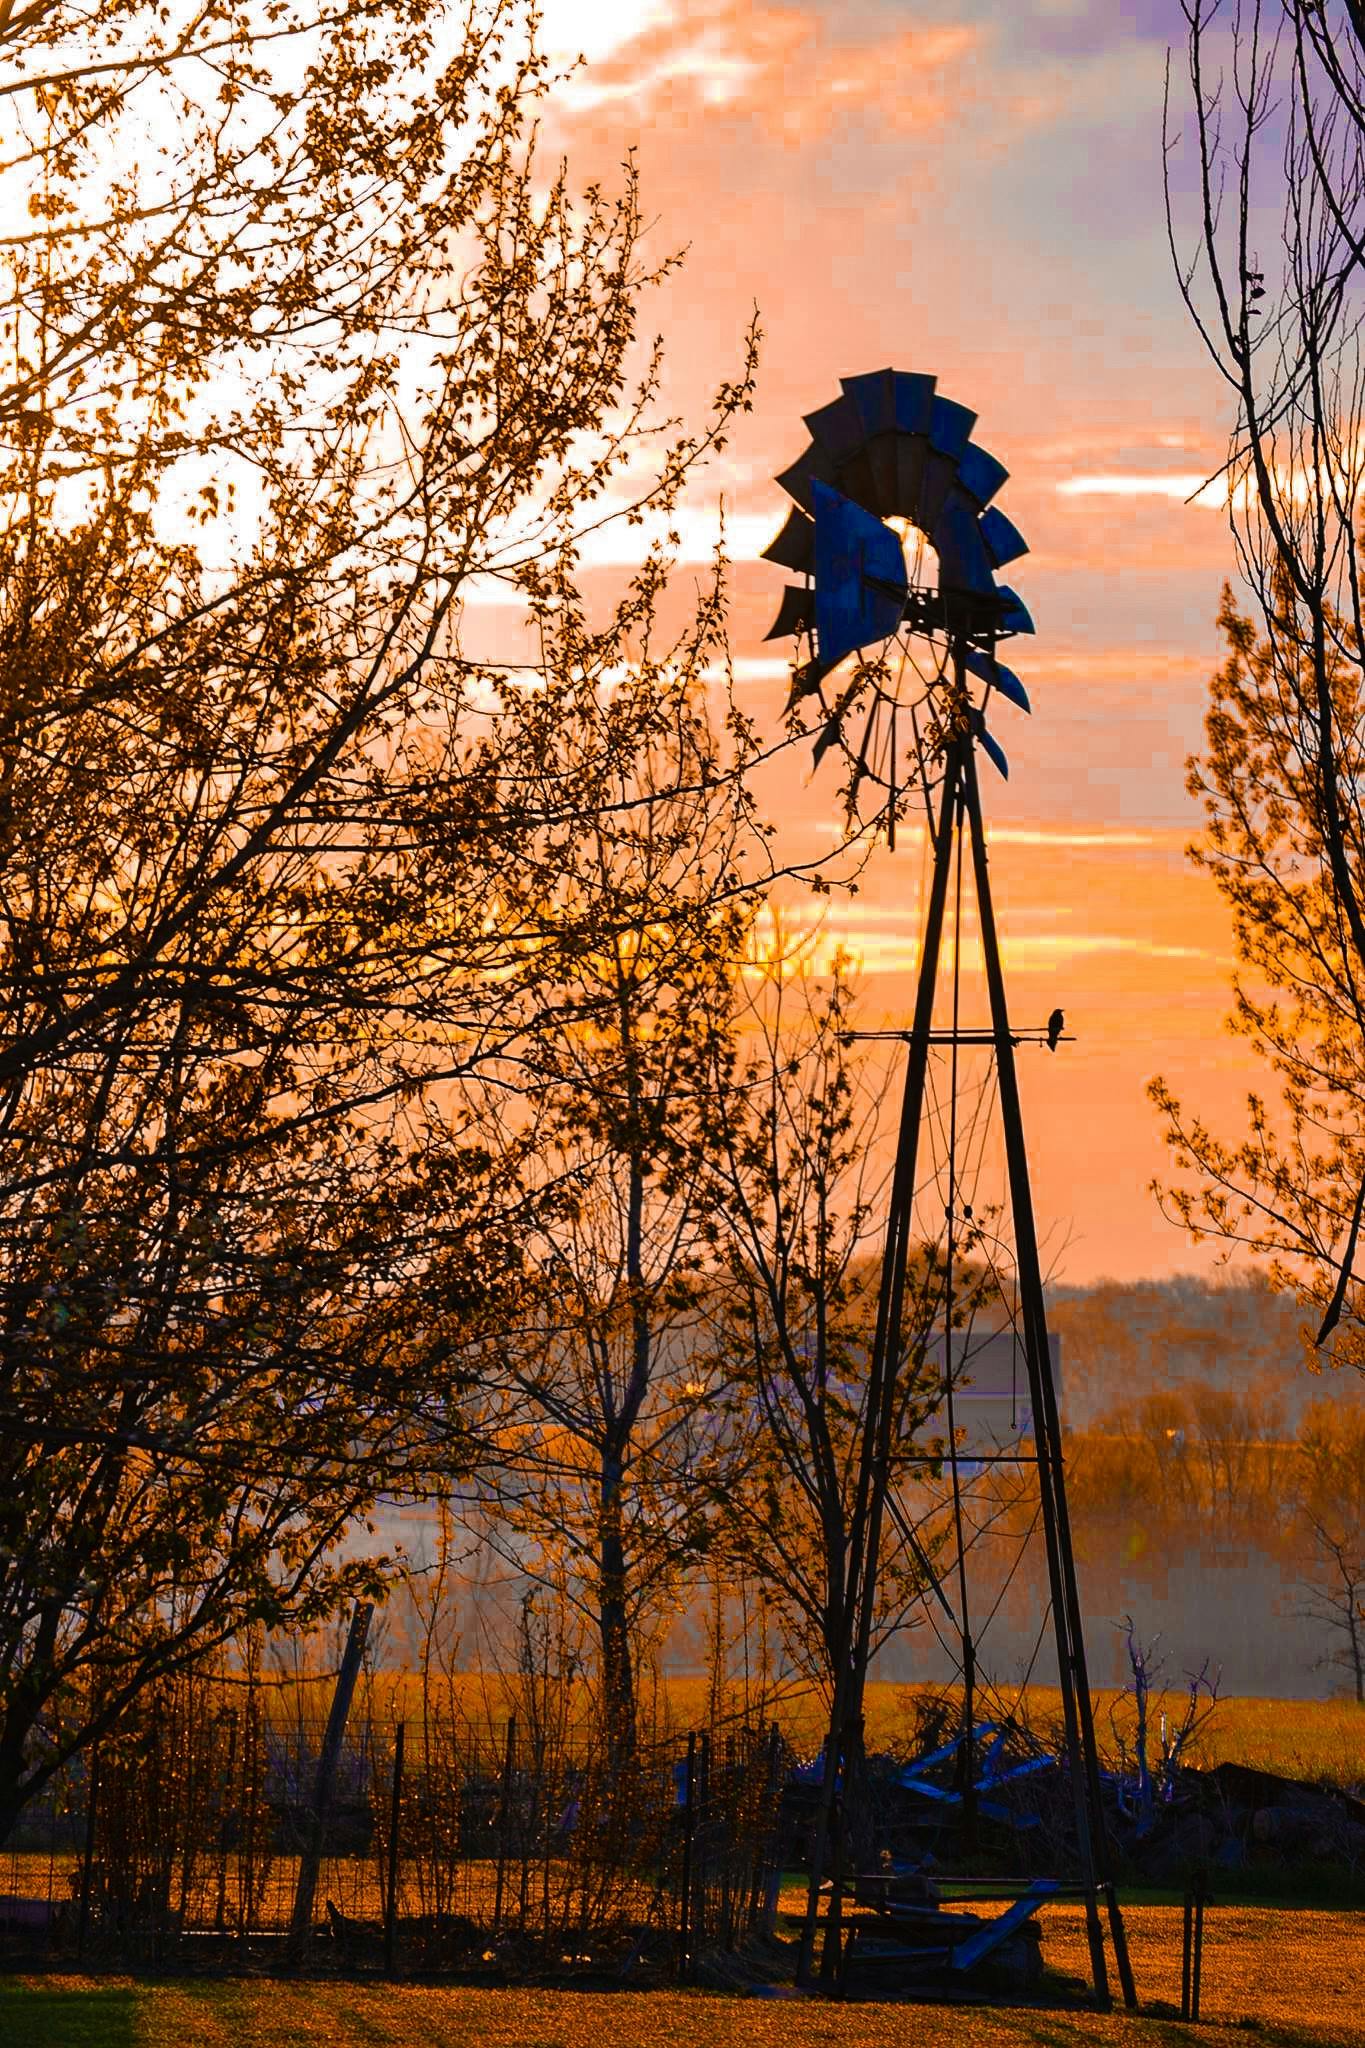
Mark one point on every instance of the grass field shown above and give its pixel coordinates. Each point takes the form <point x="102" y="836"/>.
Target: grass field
<point x="1315" y="1739"/>
<point x="1289" y="1979"/>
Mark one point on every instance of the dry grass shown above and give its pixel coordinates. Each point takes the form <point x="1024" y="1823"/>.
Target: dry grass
<point x="1292" y="1974"/>
<point x="1315" y="1739"/>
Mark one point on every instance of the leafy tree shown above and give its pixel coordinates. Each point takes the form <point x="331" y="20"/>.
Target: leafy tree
<point x="301" y="343"/>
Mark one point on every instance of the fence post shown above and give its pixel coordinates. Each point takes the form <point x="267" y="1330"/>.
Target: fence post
<point x="768" y="1864"/>
<point x="88" y="1858"/>
<point x="395" y="1812"/>
<point x="311" y="1858"/>
<point x="1192" y="1958"/>
<point x="702" y="1853"/>
<point x="220" y="1914"/>
<point x="504" y="1800"/>
<point x="689" y="1824"/>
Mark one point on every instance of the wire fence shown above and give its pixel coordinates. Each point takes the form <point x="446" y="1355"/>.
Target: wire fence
<point x="211" y="1834"/>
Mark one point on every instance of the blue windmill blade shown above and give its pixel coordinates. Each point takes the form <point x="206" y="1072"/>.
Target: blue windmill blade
<point x="992" y="748"/>
<point x="875" y="397"/>
<point x="998" y="676"/>
<point x="1004" y="542"/>
<point x="913" y="400"/>
<point x="860" y="581"/>
<point x="1015" y="617"/>
<point x="1010" y="687"/>
<point x="950" y="427"/>
<point x="979" y="474"/>
<point x="962" y="560"/>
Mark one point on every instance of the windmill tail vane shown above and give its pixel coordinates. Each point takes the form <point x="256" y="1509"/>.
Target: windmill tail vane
<point x="892" y="448"/>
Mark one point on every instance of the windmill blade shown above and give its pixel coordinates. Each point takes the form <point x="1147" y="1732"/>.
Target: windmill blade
<point x="831" y="731"/>
<point x="979" y="474"/>
<point x="990" y="746"/>
<point x="794" y="547"/>
<point x="874" y="394"/>
<point x="1004" y="542"/>
<point x="938" y="476"/>
<point x="989" y="670"/>
<point x="797" y="481"/>
<point x="950" y="428"/>
<point x="962" y="559"/>
<point x="1010" y="687"/>
<point x="1015" y="617"/>
<point x="860" y="581"/>
<point x="914" y="401"/>
<point x="805" y="682"/>
<point x="837" y="429"/>
<point x="796" y="613"/>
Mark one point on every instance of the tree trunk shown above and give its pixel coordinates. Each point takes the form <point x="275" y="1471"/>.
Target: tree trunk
<point x="618" y="1669"/>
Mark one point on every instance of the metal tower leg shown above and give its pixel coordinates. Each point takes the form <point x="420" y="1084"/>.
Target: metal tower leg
<point x="1082" y="1757"/>
<point x="874" y="1460"/>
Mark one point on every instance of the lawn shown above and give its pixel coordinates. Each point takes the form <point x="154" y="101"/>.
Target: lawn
<point x="1291" y="1979"/>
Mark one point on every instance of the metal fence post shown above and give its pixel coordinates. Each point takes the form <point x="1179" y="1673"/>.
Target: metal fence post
<point x="88" y="1858"/>
<point x="504" y="1806"/>
<point x="1192" y="1955"/>
<point x="689" y="1826"/>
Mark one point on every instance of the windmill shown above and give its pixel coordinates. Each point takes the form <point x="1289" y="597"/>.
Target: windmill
<point x="901" y="664"/>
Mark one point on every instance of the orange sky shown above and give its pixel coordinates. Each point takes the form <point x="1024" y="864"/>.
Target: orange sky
<point x="974" y="188"/>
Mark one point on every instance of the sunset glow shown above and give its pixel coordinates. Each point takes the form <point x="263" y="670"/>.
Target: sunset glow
<point x="978" y="195"/>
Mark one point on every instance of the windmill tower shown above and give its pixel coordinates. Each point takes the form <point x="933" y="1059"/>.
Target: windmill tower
<point x="892" y="478"/>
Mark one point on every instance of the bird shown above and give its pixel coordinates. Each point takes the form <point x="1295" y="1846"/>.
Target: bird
<point x="1054" y="1029"/>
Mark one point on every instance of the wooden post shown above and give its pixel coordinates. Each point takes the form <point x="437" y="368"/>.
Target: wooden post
<point x="311" y="1858"/>
<point x="395" y="1816"/>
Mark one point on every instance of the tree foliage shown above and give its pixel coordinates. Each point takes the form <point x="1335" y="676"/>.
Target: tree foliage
<point x="301" y="343"/>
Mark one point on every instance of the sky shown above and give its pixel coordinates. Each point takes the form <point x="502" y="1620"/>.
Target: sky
<point x="974" y="188"/>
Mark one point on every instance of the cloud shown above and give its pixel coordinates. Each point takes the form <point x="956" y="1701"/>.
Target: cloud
<point x="795" y="71"/>
<point x="1188" y="487"/>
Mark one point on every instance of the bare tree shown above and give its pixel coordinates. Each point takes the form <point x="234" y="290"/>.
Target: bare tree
<point x="599" y="1435"/>
<point x="1331" y="1512"/>
<point x="1271" y="160"/>
<point x="796" y="1228"/>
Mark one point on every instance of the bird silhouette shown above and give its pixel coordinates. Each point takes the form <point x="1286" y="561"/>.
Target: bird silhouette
<point x="1054" y="1029"/>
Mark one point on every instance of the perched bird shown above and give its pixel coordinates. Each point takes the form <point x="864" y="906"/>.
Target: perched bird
<point x="1054" y="1029"/>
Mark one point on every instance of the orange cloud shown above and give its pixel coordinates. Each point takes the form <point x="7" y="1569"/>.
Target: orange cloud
<point x="783" y="66"/>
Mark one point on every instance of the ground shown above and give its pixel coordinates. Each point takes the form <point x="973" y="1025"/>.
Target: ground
<point x="1285" y="1979"/>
